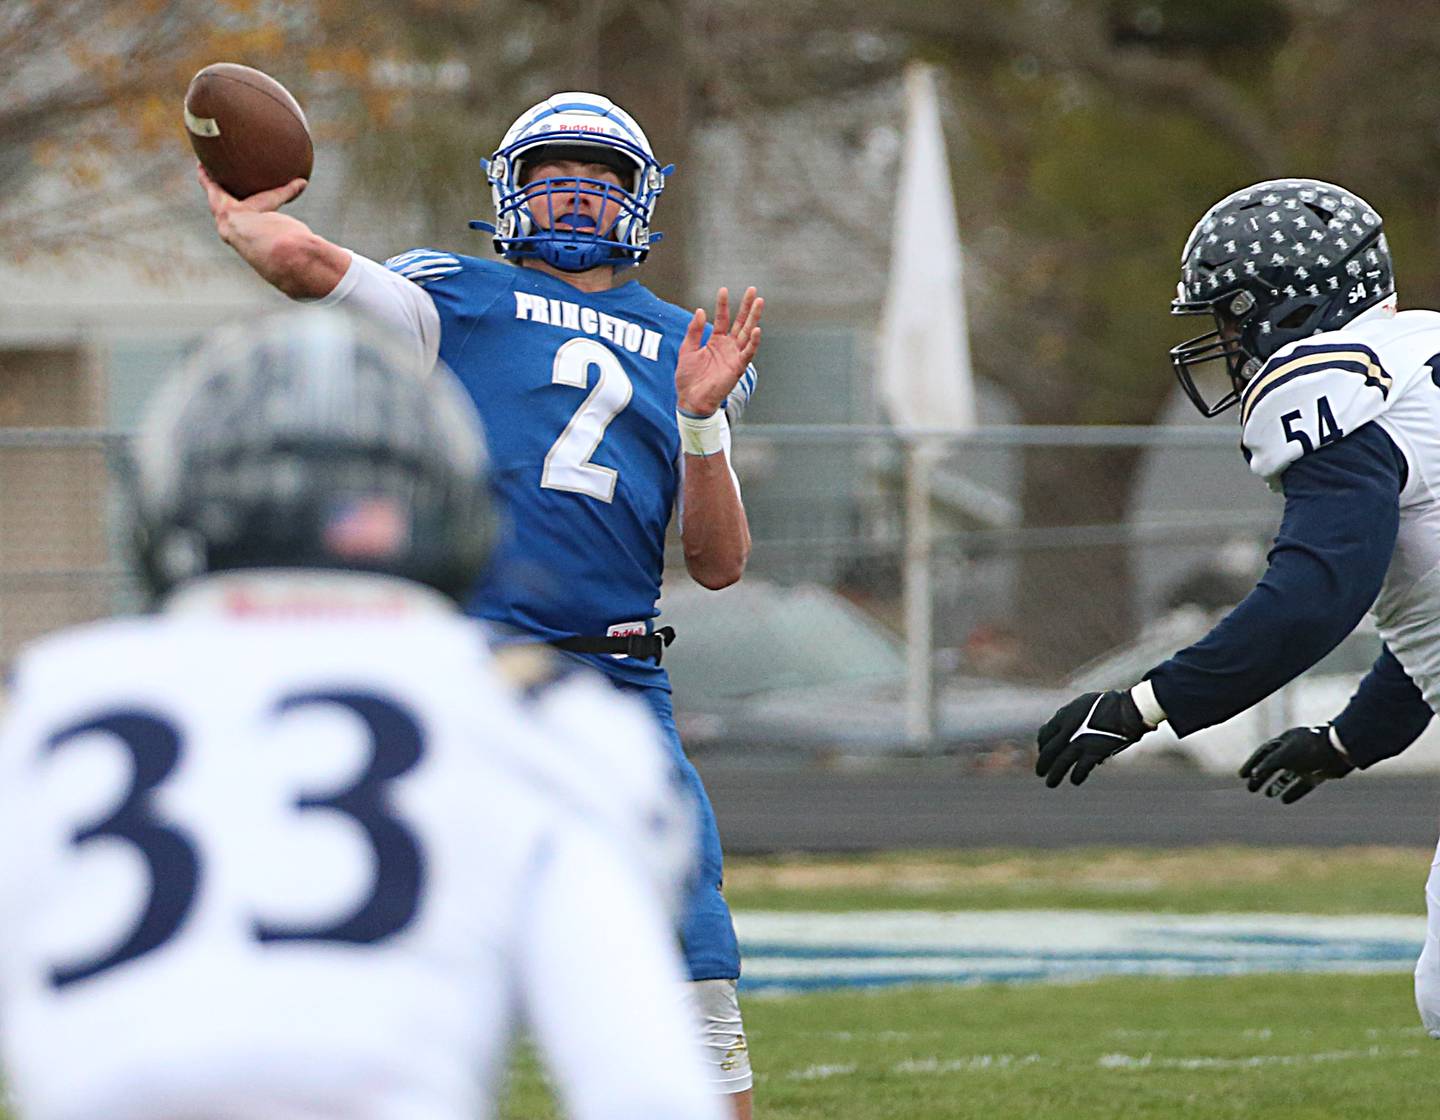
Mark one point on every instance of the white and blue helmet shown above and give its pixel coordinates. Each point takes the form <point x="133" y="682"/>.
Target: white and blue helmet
<point x="580" y="126"/>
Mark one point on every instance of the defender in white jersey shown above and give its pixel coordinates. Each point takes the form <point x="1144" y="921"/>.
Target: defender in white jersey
<point x="1339" y="399"/>
<point x="299" y="845"/>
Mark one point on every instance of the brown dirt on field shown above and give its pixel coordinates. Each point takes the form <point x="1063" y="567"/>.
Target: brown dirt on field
<point x="1119" y="871"/>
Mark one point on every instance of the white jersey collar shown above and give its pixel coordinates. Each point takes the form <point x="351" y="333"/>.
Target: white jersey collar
<point x="301" y="593"/>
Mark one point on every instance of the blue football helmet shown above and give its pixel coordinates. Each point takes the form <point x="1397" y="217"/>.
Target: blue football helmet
<point x="590" y="129"/>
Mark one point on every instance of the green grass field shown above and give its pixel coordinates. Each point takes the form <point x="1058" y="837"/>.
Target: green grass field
<point x="1297" y="1048"/>
<point x="1303" y="1047"/>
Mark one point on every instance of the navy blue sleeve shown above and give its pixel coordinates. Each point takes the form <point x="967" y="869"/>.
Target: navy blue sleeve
<point x="1386" y="714"/>
<point x="1341" y="516"/>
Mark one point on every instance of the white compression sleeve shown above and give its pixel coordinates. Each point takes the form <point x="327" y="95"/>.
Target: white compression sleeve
<point x="372" y="291"/>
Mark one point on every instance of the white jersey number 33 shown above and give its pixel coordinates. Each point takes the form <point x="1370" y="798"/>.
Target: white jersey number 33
<point x="153" y="746"/>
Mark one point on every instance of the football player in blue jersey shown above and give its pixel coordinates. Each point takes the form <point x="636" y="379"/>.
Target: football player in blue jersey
<point x="605" y="407"/>
<point x="1339" y="397"/>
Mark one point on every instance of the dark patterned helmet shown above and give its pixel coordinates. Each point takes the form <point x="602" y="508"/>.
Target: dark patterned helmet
<point x="312" y="440"/>
<point x="1271" y="264"/>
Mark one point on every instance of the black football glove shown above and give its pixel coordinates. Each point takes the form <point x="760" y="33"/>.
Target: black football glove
<point x="1294" y="763"/>
<point x="1085" y="732"/>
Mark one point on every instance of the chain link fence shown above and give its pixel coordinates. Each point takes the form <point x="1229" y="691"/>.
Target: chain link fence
<point x="1055" y="559"/>
<point x="61" y="554"/>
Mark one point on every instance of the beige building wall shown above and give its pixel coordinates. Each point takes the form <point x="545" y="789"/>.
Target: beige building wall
<point x="53" y="493"/>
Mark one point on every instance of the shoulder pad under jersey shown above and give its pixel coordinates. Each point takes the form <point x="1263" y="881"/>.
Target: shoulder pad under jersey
<point x="1307" y="395"/>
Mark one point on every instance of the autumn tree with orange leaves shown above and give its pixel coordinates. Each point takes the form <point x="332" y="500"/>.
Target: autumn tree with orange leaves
<point x="1093" y="131"/>
<point x="90" y="136"/>
<point x="92" y="148"/>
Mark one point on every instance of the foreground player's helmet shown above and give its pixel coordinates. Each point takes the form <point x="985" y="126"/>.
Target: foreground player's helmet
<point x="312" y="440"/>
<point x="1271" y="264"/>
<point x="591" y="129"/>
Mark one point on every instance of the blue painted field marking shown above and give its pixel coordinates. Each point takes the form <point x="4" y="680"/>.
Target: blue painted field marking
<point x="808" y="952"/>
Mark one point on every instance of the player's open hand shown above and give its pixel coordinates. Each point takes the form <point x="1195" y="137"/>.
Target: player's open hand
<point x="704" y="375"/>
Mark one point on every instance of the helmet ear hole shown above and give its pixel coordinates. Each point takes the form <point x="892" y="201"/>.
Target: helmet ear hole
<point x="1296" y="319"/>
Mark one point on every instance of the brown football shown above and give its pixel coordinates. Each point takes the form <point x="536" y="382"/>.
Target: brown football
<point x="246" y="129"/>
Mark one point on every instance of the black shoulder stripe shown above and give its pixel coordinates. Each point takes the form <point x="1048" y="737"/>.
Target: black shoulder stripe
<point x="1281" y="378"/>
<point x="1352" y="357"/>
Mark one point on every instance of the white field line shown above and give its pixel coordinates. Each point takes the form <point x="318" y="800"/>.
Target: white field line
<point x="1123" y="1063"/>
<point x="1032" y="930"/>
<point x="966" y="1065"/>
<point x="807" y="951"/>
<point x="1259" y="1061"/>
<point x="820" y="1073"/>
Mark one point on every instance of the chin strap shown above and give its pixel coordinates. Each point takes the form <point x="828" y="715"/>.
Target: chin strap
<point x="622" y="259"/>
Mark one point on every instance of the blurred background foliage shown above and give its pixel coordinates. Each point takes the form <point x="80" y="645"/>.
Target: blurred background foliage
<point x="1087" y="134"/>
<point x="1086" y="138"/>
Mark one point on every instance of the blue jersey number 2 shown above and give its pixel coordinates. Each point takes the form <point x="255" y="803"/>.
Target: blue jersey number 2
<point x="567" y="464"/>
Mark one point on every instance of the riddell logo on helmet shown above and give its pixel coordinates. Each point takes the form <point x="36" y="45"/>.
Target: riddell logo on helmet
<point x="598" y="128"/>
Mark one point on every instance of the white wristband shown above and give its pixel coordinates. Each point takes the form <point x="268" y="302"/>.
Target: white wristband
<point x="1150" y="710"/>
<point x="1339" y="746"/>
<point x="701" y="435"/>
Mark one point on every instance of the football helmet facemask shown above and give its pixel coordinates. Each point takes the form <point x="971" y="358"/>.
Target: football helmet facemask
<point x="311" y="440"/>
<point x="586" y="128"/>
<point x="1271" y="264"/>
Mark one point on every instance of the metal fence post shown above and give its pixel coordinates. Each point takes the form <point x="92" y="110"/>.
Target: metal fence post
<point x="920" y="454"/>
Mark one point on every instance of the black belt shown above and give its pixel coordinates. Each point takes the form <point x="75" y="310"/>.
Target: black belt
<point x="646" y="647"/>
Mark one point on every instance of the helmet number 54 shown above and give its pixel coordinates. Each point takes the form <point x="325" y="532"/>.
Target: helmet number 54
<point x="567" y="464"/>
